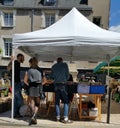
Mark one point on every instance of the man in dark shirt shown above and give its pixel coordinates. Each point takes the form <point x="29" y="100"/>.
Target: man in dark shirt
<point x="18" y="100"/>
<point x="60" y="75"/>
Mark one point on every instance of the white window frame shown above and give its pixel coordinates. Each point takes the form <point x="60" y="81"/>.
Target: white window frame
<point x="8" y="2"/>
<point x="55" y="13"/>
<point x="50" y="16"/>
<point x="4" y="47"/>
<point x="49" y="2"/>
<point x="2" y="18"/>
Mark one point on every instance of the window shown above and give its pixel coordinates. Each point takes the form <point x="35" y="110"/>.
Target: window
<point x="7" y="47"/>
<point x="8" y="2"/>
<point x="97" y="21"/>
<point x="49" y="19"/>
<point x="48" y="2"/>
<point x="8" y="18"/>
<point x="84" y="2"/>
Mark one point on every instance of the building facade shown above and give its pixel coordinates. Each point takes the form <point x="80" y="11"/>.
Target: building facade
<point x="20" y="16"/>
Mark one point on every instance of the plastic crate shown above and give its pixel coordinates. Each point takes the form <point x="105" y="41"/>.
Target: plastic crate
<point x="83" y="89"/>
<point x="97" y="89"/>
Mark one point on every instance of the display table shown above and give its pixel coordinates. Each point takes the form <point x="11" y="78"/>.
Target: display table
<point x="72" y="88"/>
<point x="5" y="104"/>
<point x="97" y="102"/>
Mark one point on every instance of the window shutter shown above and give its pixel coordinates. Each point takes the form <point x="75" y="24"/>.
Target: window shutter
<point x="14" y="18"/>
<point x="2" y="19"/>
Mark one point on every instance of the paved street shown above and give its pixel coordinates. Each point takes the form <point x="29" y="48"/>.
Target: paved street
<point x="7" y="122"/>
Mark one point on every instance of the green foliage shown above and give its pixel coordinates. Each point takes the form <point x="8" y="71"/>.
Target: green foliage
<point x="0" y="50"/>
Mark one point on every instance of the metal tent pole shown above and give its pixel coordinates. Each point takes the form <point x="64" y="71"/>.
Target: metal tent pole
<point x="109" y="93"/>
<point x="12" y="112"/>
<point x="109" y="104"/>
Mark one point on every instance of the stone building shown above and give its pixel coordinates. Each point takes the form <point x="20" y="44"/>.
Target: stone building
<point x="20" y="16"/>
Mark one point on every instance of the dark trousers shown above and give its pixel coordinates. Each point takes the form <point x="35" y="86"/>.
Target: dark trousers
<point x="61" y="94"/>
<point x="18" y="99"/>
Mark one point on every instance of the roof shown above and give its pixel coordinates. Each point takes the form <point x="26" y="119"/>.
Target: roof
<point x="60" y="4"/>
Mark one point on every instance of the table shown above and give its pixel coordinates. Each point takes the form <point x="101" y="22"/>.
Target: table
<point x="72" y="88"/>
<point x="97" y="102"/>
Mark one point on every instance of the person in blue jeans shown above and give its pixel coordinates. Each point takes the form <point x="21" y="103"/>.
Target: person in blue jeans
<point x="18" y="99"/>
<point x="60" y="74"/>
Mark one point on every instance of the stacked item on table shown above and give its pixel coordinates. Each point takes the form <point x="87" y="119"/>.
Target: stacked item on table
<point x="87" y="87"/>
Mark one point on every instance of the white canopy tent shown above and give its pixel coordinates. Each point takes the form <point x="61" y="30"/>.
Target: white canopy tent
<point x="73" y="37"/>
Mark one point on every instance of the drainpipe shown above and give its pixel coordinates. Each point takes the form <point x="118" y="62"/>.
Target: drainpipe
<point x="32" y="20"/>
<point x="109" y="14"/>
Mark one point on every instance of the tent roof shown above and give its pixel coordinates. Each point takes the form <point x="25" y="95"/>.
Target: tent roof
<point x="73" y="37"/>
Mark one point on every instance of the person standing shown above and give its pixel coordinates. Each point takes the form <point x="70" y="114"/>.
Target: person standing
<point x="60" y="75"/>
<point x="33" y="78"/>
<point x="18" y="99"/>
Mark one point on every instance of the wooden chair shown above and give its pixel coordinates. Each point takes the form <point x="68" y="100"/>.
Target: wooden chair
<point x="74" y="107"/>
<point x="50" y="101"/>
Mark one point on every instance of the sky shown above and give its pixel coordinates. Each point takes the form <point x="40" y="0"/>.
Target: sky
<point x="114" y="21"/>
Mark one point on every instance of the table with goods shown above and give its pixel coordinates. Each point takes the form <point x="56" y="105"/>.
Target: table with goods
<point x="5" y="95"/>
<point x="89" y="98"/>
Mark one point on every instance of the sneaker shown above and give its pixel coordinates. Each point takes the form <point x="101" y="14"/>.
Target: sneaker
<point x="57" y="118"/>
<point x="33" y="121"/>
<point x="66" y="121"/>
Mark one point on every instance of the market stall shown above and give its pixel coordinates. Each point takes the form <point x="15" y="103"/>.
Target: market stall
<point x="73" y="37"/>
<point x="94" y="91"/>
